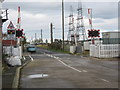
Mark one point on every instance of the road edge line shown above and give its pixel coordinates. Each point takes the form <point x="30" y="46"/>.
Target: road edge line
<point x="31" y="58"/>
<point x="16" y="80"/>
<point x="63" y="62"/>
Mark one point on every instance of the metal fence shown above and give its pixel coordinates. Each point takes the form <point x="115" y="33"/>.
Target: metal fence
<point x="105" y="51"/>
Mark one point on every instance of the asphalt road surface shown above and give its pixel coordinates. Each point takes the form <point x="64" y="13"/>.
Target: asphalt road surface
<point x="56" y="70"/>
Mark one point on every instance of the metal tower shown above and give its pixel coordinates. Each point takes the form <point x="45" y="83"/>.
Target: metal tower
<point x="80" y="29"/>
<point x="71" y="27"/>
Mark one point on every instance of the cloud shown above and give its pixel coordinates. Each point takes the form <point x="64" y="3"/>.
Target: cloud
<point x="109" y="24"/>
<point x="61" y="0"/>
<point x="99" y="10"/>
<point x="105" y="10"/>
<point x="37" y="16"/>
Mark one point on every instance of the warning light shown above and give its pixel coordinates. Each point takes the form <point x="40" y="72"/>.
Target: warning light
<point x="93" y="33"/>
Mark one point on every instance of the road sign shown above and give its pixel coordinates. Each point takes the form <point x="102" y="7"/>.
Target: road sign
<point x="11" y="26"/>
<point x="19" y="33"/>
<point x="93" y="33"/>
<point x="11" y="31"/>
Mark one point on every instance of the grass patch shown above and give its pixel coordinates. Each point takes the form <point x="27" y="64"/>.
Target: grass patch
<point x="43" y="46"/>
<point x="58" y="50"/>
<point x="52" y="49"/>
<point x="85" y="53"/>
<point x="4" y="64"/>
<point x="4" y="67"/>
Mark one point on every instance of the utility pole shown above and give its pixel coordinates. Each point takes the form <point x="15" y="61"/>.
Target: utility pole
<point x="35" y="37"/>
<point x="51" y="32"/>
<point x="1" y="32"/>
<point x="63" y="24"/>
<point x="41" y="37"/>
<point x="1" y="43"/>
<point x="0" y="38"/>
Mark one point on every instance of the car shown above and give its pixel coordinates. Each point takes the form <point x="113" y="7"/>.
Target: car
<point x="31" y="48"/>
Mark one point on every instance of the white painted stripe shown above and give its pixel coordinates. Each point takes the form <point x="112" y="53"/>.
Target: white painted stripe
<point x="59" y="59"/>
<point x="84" y="70"/>
<point x="74" y="68"/>
<point x="105" y="80"/>
<point x="63" y="63"/>
<point x="68" y="65"/>
<point x="24" y="58"/>
<point x="31" y="58"/>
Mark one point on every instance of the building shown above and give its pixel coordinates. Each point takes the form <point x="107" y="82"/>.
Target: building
<point x="109" y="47"/>
<point x="111" y="37"/>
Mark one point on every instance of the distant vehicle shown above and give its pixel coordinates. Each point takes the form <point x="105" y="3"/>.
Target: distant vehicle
<point x="31" y="48"/>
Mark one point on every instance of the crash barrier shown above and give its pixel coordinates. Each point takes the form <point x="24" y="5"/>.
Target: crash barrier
<point x="105" y="50"/>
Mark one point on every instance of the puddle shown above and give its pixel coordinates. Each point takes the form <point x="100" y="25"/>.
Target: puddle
<point x="38" y="76"/>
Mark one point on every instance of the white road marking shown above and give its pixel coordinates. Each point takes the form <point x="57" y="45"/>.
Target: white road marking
<point x="24" y="58"/>
<point x="64" y="63"/>
<point x="31" y="58"/>
<point x="84" y="70"/>
<point x="74" y="68"/>
<point x="104" y="80"/>
<point x="69" y="66"/>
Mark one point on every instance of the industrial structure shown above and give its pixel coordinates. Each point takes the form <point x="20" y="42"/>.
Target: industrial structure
<point x="80" y="28"/>
<point x="76" y="33"/>
<point x="71" y="35"/>
<point x="111" y="37"/>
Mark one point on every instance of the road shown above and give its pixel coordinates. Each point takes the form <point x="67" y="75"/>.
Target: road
<point x="56" y="70"/>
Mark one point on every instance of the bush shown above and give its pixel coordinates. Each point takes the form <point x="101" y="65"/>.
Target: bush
<point x="57" y="45"/>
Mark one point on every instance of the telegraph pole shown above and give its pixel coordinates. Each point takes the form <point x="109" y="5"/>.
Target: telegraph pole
<point x="63" y="24"/>
<point x="35" y="37"/>
<point x="1" y="30"/>
<point x="41" y="36"/>
<point x="51" y="32"/>
<point x="0" y="38"/>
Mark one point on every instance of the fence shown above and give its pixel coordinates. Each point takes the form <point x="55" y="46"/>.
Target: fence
<point x="88" y="43"/>
<point x="105" y="50"/>
<point x="14" y="51"/>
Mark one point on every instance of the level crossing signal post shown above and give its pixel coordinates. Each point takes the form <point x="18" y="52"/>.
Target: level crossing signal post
<point x="93" y="34"/>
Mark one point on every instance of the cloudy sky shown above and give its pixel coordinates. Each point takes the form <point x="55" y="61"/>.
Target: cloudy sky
<point x="37" y="15"/>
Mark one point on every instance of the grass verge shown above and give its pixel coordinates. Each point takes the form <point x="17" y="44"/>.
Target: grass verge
<point x="52" y="49"/>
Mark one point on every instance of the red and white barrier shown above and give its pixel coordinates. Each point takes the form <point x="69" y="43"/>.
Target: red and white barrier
<point x="90" y="17"/>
